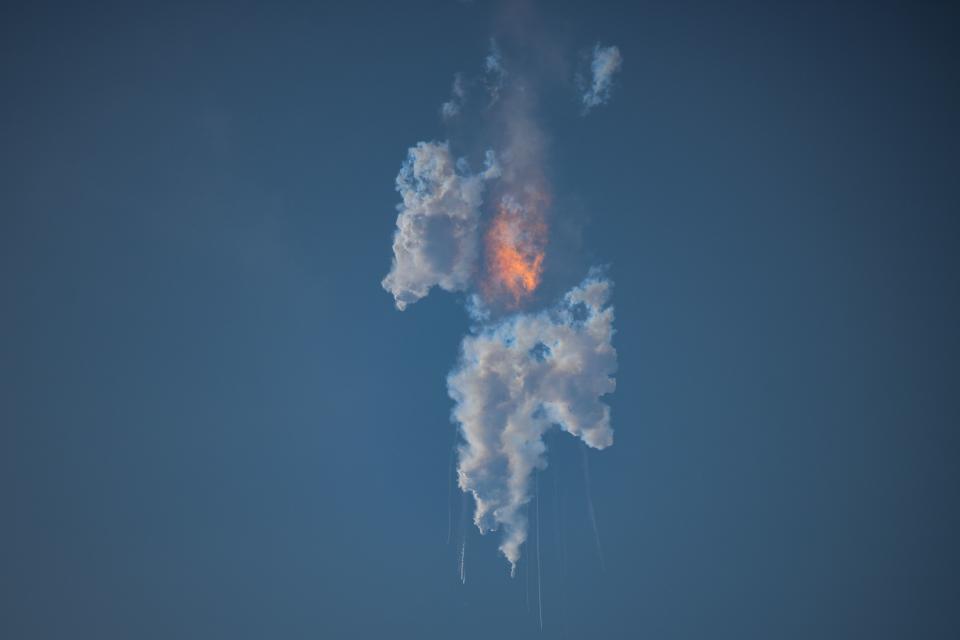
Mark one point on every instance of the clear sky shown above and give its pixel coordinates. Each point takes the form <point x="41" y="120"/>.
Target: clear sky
<point x="214" y="423"/>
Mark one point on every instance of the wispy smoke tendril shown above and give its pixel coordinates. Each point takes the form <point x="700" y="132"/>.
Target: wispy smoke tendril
<point x="451" y="108"/>
<point x="605" y="63"/>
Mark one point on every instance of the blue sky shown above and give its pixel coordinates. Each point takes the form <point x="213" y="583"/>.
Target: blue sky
<point x="214" y="424"/>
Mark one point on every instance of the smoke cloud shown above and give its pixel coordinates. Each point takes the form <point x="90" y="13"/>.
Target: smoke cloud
<point x="518" y="378"/>
<point x="604" y="64"/>
<point x="436" y="242"/>
<point x="525" y="368"/>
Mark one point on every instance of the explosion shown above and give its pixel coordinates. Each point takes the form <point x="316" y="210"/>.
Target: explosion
<point x="515" y="247"/>
<point x="528" y="365"/>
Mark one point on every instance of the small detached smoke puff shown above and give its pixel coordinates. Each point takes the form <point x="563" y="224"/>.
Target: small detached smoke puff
<point x="606" y="62"/>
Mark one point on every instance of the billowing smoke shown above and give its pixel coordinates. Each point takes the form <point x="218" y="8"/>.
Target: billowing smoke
<point x="525" y="367"/>
<point x="436" y="241"/>
<point x="518" y="378"/>
<point x="604" y="64"/>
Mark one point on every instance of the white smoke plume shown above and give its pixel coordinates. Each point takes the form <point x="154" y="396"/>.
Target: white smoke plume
<point x="436" y="242"/>
<point x="604" y="64"/>
<point x="518" y="378"/>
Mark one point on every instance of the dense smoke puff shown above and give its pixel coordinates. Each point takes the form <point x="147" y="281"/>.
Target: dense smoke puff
<point x="436" y="242"/>
<point x="518" y="378"/>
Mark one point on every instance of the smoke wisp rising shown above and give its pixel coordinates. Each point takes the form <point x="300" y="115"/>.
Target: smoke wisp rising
<point x="603" y="65"/>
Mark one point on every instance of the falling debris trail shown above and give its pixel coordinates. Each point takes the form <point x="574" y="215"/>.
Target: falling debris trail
<point x="539" y="591"/>
<point x="558" y="522"/>
<point x="450" y="496"/>
<point x="526" y="570"/>
<point x="593" y="515"/>
<point x="561" y="546"/>
<point x="463" y="538"/>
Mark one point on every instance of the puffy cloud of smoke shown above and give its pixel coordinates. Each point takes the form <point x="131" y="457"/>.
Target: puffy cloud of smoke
<point x="437" y="238"/>
<point x="605" y="63"/>
<point x="515" y="380"/>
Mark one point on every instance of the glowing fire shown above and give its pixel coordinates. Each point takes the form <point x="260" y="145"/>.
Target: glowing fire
<point x="515" y="246"/>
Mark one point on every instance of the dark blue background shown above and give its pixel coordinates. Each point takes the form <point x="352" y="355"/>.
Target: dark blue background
<point x="215" y="425"/>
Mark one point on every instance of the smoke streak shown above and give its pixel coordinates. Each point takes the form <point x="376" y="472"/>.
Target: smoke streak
<point x="463" y="539"/>
<point x="558" y="523"/>
<point x="450" y="496"/>
<point x="539" y="590"/>
<point x="593" y="515"/>
<point x="560" y="546"/>
<point x="527" y="570"/>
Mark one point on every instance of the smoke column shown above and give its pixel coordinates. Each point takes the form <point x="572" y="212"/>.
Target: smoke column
<point x="475" y="218"/>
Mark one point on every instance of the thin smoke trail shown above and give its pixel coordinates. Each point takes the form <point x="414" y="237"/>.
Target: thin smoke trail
<point x="539" y="591"/>
<point x="526" y="570"/>
<point x="561" y="521"/>
<point x="558" y="525"/>
<point x="450" y="497"/>
<point x="463" y="538"/>
<point x="561" y="541"/>
<point x="593" y="515"/>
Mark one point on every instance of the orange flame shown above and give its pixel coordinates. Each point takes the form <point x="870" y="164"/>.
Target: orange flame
<point x="515" y="244"/>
